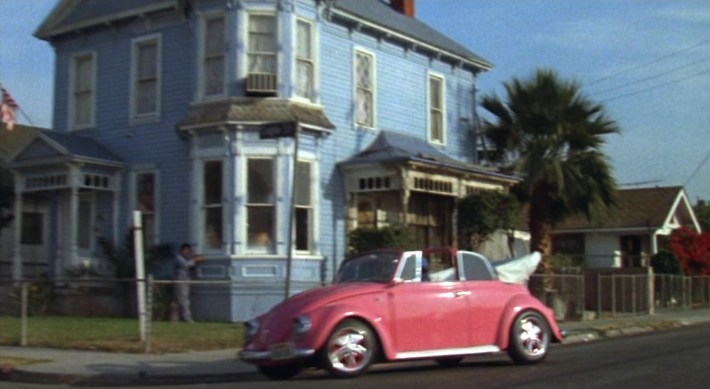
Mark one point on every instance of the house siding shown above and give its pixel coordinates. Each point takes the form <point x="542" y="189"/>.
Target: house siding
<point x="257" y="281"/>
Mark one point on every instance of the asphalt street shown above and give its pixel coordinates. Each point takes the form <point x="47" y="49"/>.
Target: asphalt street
<point x="667" y="359"/>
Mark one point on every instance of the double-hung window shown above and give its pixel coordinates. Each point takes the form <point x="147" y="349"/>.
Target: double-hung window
<point x="145" y="202"/>
<point x="437" y="110"/>
<point x="303" y="221"/>
<point x="212" y="205"/>
<point x="83" y="91"/>
<point x="364" y="89"/>
<point x="260" y="205"/>
<point x="263" y="45"/>
<point x="305" y="66"/>
<point x="213" y="64"/>
<point x="146" y="78"/>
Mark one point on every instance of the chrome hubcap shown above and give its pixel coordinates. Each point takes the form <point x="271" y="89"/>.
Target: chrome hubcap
<point x="348" y="350"/>
<point x="533" y="337"/>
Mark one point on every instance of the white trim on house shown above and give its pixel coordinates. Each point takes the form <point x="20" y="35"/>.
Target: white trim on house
<point x="674" y="210"/>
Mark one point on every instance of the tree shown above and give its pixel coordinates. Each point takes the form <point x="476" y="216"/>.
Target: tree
<point x="552" y="135"/>
<point x="480" y="215"/>
<point x="692" y="250"/>
<point x="7" y="196"/>
<point x="392" y="237"/>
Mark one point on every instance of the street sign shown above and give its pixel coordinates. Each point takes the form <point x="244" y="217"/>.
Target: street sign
<point x="278" y="130"/>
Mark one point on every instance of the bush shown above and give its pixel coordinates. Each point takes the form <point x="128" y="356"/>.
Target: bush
<point x="394" y="237"/>
<point x="665" y="262"/>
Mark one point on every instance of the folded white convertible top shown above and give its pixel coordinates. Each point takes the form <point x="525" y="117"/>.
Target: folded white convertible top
<point x="517" y="270"/>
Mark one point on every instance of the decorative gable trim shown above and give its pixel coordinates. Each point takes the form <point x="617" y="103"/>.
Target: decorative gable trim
<point x="53" y="24"/>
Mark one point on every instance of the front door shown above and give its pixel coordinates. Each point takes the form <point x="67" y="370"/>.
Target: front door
<point x="83" y="223"/>
<point x="630" y="251"/>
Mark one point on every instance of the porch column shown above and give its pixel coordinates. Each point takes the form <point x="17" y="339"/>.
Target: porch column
<point x="73" y="254"/>
<point x="116" y="207"/>
<point x="17" y="272"/>
<point x="405" y="197"/>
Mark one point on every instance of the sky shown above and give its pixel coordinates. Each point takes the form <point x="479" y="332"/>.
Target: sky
<point x="646" y="61"/>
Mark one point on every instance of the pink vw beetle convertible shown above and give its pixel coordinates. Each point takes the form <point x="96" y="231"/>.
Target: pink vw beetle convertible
<point x="386" y="305"/>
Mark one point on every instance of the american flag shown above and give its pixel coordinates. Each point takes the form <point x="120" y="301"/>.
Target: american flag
<point x="9" y="107"/>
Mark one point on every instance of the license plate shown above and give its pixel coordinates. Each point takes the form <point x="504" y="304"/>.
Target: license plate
<point x="282" y="351"/>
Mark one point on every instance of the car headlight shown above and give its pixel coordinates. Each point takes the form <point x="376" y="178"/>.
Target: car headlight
<point x="301" y="326"/>
<point x="251" y="328"/>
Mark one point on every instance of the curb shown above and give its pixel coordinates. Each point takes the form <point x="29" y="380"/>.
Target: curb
<point x="117" y="380"/>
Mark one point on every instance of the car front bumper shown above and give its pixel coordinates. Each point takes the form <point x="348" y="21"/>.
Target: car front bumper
<point x="268" y="355"/>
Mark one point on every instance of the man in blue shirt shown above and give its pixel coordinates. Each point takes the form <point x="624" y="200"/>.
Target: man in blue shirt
<point x="183" y="262"/>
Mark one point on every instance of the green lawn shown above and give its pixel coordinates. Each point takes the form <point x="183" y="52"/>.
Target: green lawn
<point x="116" y="334"/>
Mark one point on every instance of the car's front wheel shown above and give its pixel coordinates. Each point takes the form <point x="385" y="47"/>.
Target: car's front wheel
<point x="350" y="349"/>
<point x="529" y="338"/>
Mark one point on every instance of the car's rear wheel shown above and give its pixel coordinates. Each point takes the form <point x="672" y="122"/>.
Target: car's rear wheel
<point x="350" y="349"/>
<point x="280" y="372"/>
<point x="529" y="338"/>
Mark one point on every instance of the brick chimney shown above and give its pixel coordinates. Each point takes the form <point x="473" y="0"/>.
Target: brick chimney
<point x="405" y="7"/>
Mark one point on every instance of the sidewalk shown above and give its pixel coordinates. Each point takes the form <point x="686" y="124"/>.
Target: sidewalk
<point x="89" y="368"/>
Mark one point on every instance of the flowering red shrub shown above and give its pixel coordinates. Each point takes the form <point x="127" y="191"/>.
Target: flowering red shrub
<point x="692" y="250"/>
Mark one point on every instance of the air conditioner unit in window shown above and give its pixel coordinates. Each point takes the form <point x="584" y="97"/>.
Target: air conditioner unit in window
<point x="261" y="83"/>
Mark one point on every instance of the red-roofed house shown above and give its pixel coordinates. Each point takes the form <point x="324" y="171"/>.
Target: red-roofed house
<point x="633" y="233"/>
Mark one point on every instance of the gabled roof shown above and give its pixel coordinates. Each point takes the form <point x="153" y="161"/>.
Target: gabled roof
<point x="641" y="208"/>
<point x="381" y="14"/>
<point x="71" y="15"/>
<point x="11" y="142"/>
<point x="391" y="146"/>
<point x="51" y="145"/>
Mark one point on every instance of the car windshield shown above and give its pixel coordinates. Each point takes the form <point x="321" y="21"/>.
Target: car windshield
<point x="377" y="267"/>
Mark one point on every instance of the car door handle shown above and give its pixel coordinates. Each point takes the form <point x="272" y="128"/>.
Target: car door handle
<point x="462" y="293"/>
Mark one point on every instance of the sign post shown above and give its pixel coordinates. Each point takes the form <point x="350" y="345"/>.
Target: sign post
<point x="287" y="130"/>
<point x="140" y="272"/>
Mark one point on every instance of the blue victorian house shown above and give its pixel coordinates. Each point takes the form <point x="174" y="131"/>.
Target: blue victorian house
<point x="260" y="131"/>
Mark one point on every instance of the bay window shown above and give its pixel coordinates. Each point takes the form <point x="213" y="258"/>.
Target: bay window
<point x="260" y="205"/>
<point x="262" y="44"/>
<point x="212" y="206"/>
<point x="303" y="222"/>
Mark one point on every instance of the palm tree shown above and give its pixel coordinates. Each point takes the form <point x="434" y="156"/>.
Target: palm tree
<point x="552" y="136"/>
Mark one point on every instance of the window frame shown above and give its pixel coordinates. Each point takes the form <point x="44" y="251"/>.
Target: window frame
<point x="156" y="202"/>
<point x="73" y="77"/>
<point x="205" y="207"/>
<point x="372" y="90"/>
<point x="136" y="45"/>
<point x="312" y="61"/>
<point x="203" y="57"/>
<point x="312" y="209"/>
<point x="431" y="108"/>
<point x="249" y="52"/>
<point x="271" y="247"/>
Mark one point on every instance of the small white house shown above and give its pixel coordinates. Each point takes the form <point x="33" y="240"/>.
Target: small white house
<point x="632" y="234"/>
